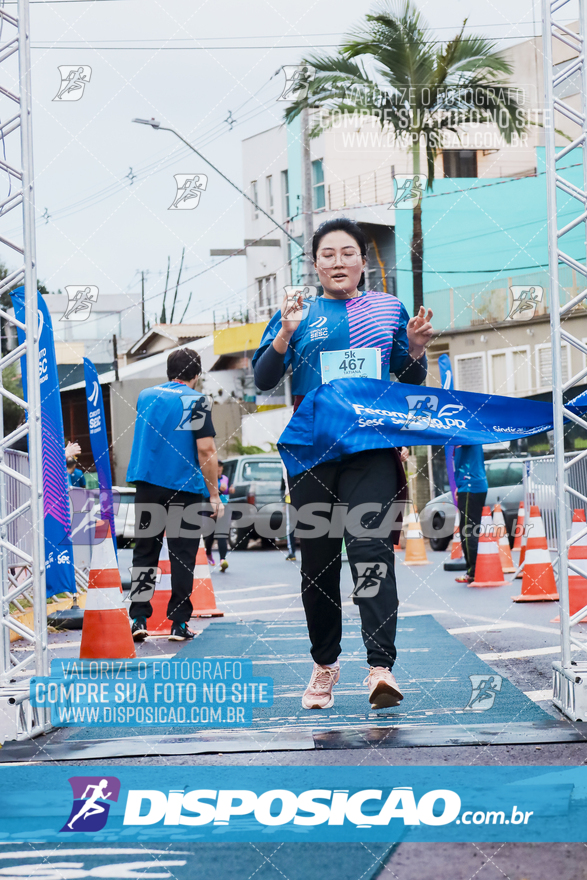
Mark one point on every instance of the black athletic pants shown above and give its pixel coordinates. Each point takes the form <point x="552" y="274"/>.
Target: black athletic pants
<point x="222" y="545"/>
<point x="470" y="508"/>
<point x="182" y="552"/>
<point x="367" y="477"/>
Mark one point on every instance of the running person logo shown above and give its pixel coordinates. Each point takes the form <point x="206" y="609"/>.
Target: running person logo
<point x="297" y="81"/>
<point x="193" y="413"/>
<point x="484" y="689"/>
<point x="369" y="577"/>
<point x="90" y="802"/>
<point x="80" y="299"/>
<point x="74" y="79"/>
<point x="189" y="189"/>
<point x="143" y="580"/>
<point x="525" y="301"/>
<point x="422" y="408"/>
<point x="409" y="189"/>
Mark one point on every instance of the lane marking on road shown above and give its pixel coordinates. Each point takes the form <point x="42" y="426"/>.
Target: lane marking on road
<point x="530" y="626"/>
<point x="222" y="592"/>
<point x="482" y="627"/>
<point x="289" y="608"/>
<point x="263" y="611"/>
<point x="536" y="696"/>
<point x="230" y="602"/>
<point x="420" y="613"/>
<point x="518" y="655"/>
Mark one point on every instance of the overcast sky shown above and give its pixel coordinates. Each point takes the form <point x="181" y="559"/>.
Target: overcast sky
<point x="101" y="229"/>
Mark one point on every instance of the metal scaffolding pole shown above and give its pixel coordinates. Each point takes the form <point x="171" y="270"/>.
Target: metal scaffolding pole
<point x="22" y="564"/>
<point x="564" y="58"/>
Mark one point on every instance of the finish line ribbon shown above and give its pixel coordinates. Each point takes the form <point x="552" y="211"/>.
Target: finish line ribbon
<point x="343" y="417"/>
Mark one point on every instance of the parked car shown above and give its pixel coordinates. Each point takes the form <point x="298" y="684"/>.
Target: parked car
<point x="257" y="479"/>
<point x="505" y="484"/>
<point x="124" y="513"/>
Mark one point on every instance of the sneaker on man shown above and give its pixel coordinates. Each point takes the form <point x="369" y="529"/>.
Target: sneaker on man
<point x="383" y="688"/>
<point x="464" y="579"/>
<point x="291" y="557"/>
<point x="210" y="559"/>
<point x="180" y="632"/>
<point x="223" y="565"/>
<point x="318" y="694"/>
<point x="139" y="629"/>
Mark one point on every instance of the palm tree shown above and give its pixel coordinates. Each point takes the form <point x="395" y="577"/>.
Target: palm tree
<point x="419" y="89"/>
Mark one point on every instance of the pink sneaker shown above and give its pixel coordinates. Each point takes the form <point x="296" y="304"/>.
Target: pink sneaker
<point x="383" y="689"/>
<point x="318" y="694"/>
<point x="210" y="559"/>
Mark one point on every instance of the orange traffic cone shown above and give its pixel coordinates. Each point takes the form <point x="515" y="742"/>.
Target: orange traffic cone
<point x="203" y="598"/>
<point x="106" y="628"/>
<point x="523" y="542"/>
<point x="503" y="542"/>
<point x="415" y="547"/>
<point x="457" y="561"/>
<point x="159" y="623"/>
<point x="519" y="528"/>
<point x="578" y="557"/>
<point x="538" y="583"/>
<point x="488" y="570"/>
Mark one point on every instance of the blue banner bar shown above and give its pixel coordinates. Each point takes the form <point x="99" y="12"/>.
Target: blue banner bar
<point x="284" y="804"/>
<point x="58" y="549"/>
<point x="99" y="442"/>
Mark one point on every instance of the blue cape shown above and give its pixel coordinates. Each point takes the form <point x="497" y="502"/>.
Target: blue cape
<point x="347" y="416"/>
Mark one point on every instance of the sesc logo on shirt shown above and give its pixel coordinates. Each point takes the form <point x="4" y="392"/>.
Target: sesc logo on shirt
<point x="319" y="331"/>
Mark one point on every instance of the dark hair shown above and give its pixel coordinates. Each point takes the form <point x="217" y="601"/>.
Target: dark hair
<point x="220" y="463"/>
<point x="183" y="363"/>
<point x="346" y="225"/>
<point x="70" y="462"/>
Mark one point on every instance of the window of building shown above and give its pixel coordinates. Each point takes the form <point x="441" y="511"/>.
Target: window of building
<point x="255" y="198"/>
<point x="470" y="372"/>
<point x="267" y="295"/>
<point x="544" y="364"/>
<point x="285" y="193"/>
<point x="460" y="163"/>
<point x="509" y="370"/>
<point x="318" y="194"/>
<point x="269" y="183"/>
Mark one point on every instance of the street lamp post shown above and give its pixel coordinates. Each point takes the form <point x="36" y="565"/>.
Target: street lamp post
<point x="155" y="124"/>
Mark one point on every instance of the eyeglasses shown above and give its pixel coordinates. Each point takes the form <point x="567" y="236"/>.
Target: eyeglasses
<point x="347" y="258"/>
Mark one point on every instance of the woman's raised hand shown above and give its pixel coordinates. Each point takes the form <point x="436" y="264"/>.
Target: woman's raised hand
<point x="420" y="331"/>
<point x="292" y="309"/>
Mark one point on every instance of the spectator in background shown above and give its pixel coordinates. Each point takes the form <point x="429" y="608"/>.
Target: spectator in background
<point x="75" y="474"/>
<point x="222" y="542"/>
<point x="173" y="462"/>
<point x="471" y="483"/>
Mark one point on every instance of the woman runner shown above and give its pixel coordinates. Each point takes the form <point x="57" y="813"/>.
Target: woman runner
<point x="340" y="320"/>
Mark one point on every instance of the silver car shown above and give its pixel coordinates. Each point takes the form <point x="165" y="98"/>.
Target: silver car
<point x="505" y="485"/>
<point x="257" y="480"/>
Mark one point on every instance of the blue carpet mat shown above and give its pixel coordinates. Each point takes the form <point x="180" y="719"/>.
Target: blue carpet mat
<point x="437" y="674"/>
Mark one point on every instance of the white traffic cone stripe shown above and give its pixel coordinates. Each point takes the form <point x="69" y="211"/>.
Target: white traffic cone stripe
<point x="164" y="583"/>
<point x="103" y="555"/>
<point x="201" y="571"/>
<point x="487" y="548"/>
<point x="104" y="599"/>
<point x="536" y="527"/>
<point x="536" y="556"/>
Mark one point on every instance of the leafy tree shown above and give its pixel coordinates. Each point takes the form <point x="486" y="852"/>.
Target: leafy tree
<point x="391" y="67"/>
